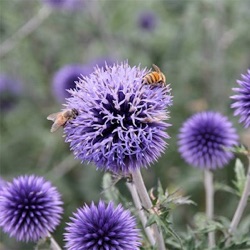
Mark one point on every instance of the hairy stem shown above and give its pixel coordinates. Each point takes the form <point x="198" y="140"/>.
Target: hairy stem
<point x="147" y="204"/>
<point x="141" y="214"/>
<point x="24" y="31"/>
<point x="242" y="203"/>
<point x="209" y="189"/>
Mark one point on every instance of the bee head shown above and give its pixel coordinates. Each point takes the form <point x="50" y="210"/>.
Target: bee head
<point x="75" y="112"/>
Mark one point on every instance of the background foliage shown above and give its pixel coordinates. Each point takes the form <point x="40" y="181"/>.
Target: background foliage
<point x="202" y="46"/>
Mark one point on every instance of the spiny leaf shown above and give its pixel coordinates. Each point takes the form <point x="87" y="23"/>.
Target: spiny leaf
<point x="151" y="220"/>
<point x="160" y="189"/>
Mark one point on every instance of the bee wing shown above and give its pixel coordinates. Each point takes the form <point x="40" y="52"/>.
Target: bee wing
<point x="55" y="127"/>
<point x="156" y="68"/>
<point x="52" y="117"/>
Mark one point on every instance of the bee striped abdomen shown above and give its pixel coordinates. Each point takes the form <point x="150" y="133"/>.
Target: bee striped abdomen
<point x="155" y="78"/>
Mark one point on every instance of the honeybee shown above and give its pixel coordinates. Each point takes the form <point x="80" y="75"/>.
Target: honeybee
<point x="60" y="118"/>
<point x="155" y="78"/>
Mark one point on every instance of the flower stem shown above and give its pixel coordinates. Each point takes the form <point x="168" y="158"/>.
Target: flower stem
<point x="209" y="189"/>
<point x="141" y="214"/>
<point x="24" y="31"/>
<point x="53" y="244"/>
<point x="242" y="203"/>
<point x="147" y="204"/>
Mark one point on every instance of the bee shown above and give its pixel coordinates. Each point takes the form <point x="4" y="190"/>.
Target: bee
<point x="155" y="78"/>
<point x="61" y="118"/>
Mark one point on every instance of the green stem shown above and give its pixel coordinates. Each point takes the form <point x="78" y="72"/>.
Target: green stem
<point x="209" y="189"/>
<point x="147" y="204"/>
<point x="242" y="203"/>
<point x="53" y="244"/>
<point x="141" y="214"/>
<point x="24" y="31"/>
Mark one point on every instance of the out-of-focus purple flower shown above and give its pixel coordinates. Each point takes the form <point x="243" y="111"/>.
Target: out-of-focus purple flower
<point x="65" y="4"/>
<point x="147" y="20"/>
<point x="10" y="91"/>
<point x="2" y="183"/>
<point x="30" y="208"/>
<point x="203" y="140"/>
<point x="65" y="78"/>
<point x="242" y="100"/>
<point x="102" y="227"/>
<point x="120" y="126"/>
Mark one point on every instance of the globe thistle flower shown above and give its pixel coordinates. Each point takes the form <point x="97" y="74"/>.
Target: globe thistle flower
<point x="64" y="4"/>
<point x="120" y="126"/>
<point x="66" y="77"/>
<point x="242" y="100"/>
<point x="30" y="208"/>
<point x="10" y="91"/>
<point x="147" y="20"/>
<point x="102" y="227"/>
<point x="203" y="139"/>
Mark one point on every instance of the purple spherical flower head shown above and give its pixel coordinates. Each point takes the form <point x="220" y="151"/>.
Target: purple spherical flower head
<point x="65" y="4"/>
<point x="102" y="227"/>
<point x="120" y="126"/>
<point x="65" y="78"/>
<point x="10" y="90"/>
<point x="147" y="20"/>
<point x="203" y="140"/>
<point x="30" y="208"/>
<point x="242" y="100"/>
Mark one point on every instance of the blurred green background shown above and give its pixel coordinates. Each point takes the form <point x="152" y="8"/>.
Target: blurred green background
<point x="201" y="46"/>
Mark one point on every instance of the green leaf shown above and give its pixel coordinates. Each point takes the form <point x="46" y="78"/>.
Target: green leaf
<point x="240" y="150"/>
<point x="43" y="244"/>
<point x="205" y="226"/>
<point x="237" y="245"/>
<point x="151" y="220"/>
<point x="223" y="187"/>
<point x="160" y="189"/>
<point x="110" y="192"/>
<point x="240" y="175"/>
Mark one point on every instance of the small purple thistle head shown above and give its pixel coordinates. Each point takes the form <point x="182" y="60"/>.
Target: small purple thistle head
<point x="204" y="139"/>
<point x="242" y="99"/>
<point x="65" y="4"/>
<point x="102" y="227"/>
<point x="147" y="20"/>
<point x="120" y="126"/>
<point x="30" y="208"/>
<point x="10" y="91"/>
<point x="65" y="78"/>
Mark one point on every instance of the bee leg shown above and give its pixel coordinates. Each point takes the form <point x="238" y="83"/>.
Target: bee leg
<point x="157" y="84"/>
<point x="161" y="83"/>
